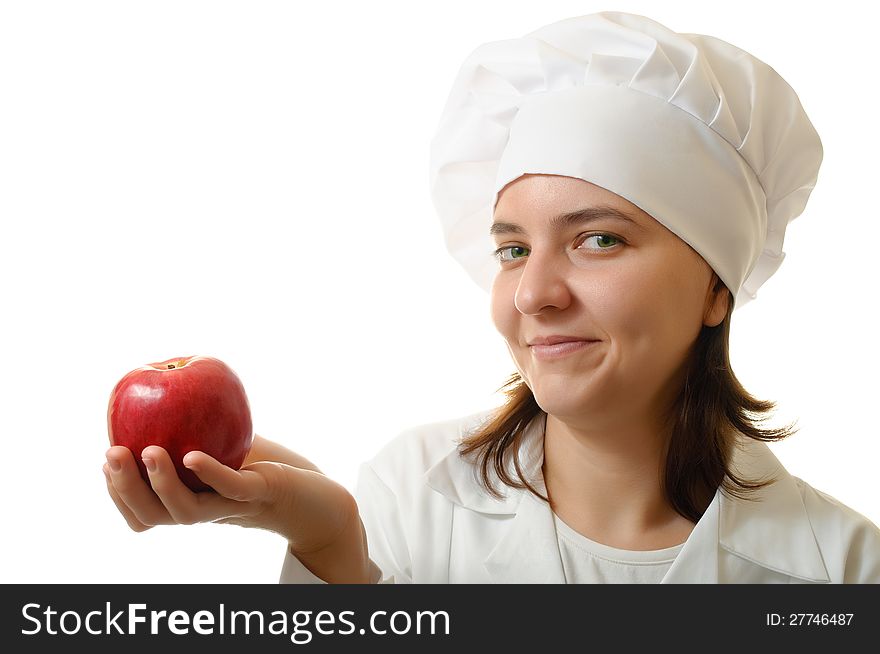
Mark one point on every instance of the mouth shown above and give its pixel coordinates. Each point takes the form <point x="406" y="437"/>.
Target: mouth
<point x="561" y="349"/>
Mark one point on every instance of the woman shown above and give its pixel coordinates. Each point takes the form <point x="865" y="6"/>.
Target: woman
<point x="634" y="186"/>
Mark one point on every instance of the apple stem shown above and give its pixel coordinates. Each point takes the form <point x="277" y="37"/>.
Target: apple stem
<point x="170" y="366"/>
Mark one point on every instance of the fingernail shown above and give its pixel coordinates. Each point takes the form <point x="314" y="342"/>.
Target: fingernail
<point x="115" y="466"/>
<point x="150" y="463"/>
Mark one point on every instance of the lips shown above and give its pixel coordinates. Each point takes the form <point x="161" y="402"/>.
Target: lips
<point x="557" y="346"/>
<point x="556" y="339"/>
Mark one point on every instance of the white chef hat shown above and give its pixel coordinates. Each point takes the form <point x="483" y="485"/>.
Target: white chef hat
<point x="707" y="139"/>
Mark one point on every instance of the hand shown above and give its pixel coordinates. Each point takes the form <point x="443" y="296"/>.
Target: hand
<point x="317" y="516"/>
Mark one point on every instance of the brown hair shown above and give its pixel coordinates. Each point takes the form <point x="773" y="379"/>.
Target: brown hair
<point x="711" y="408"/>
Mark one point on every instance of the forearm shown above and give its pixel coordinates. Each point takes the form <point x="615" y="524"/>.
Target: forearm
<point x="346" y="561"/>
<point x="345" y="558"/>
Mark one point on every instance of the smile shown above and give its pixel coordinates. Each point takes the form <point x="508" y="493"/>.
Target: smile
<point x="559" y="350"/>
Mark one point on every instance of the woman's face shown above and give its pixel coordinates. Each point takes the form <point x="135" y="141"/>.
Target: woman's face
<point x="635" y="288"/>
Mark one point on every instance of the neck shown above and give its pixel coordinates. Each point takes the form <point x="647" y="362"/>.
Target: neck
<point x="607" y="485"/>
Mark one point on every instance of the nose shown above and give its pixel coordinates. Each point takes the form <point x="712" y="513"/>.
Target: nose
<point x="542" y="284"/>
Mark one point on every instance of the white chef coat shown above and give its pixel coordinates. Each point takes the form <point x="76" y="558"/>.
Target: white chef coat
<point x="429" y="520"/>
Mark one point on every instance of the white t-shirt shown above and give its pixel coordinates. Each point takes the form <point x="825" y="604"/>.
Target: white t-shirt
<point x="585" y="561"/>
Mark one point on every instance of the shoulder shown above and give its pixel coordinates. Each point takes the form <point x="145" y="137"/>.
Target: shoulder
<point x="846" y="537"/>
<point x="827" y="511"/>
<point x="416" y="449"/>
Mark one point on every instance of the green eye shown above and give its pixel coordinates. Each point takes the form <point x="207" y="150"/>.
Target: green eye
<point x="603" y="238"/>
<point x="604" y="241"/>
<point x="516" y="252"/>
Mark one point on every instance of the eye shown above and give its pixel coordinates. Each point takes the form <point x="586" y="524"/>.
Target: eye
<point x="603" y="241"/>
<point x="515" y="251"/>
<point x="507" y="253"/>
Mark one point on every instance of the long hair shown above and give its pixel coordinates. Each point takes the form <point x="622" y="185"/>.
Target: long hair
<point x="711" y="409"/>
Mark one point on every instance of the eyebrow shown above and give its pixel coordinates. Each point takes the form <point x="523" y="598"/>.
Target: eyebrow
<point x="569" y="219"/>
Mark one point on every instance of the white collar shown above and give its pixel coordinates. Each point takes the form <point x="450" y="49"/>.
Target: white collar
<point x="771" y="530"/>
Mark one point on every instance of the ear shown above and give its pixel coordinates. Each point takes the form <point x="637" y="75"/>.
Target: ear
<point x="717" y="299"/>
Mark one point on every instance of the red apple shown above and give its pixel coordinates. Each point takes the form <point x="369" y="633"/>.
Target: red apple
<point x="182" y="404"/>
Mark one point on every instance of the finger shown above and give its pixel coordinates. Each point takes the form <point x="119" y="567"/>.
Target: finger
<point x="132" y="490"/>
<point x="130" y="518"/>
<point x="243" y="485"/>
<point x="175" y="496"/>
<point x="183" y="505"/>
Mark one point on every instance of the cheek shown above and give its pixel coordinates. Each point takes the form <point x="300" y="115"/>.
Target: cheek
<point x="671" y="302"/>
<point x="502" y="308"/>
<point x="619" y="299"/>
<point x="506" y="319"/>
<point x="640" y="306"/>
<point x="668" y="277"/>
<point x="689" y="282"/>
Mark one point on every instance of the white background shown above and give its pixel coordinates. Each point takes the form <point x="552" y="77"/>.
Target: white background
<point x="248" y="181"/>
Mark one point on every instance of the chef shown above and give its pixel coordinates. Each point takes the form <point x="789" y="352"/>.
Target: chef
<point x="618" y="189"/>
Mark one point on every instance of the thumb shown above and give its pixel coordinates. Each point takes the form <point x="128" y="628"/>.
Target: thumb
<point x="244" y="485"/>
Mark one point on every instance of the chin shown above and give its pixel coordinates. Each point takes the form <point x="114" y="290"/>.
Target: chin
<point x="558" y="403"/>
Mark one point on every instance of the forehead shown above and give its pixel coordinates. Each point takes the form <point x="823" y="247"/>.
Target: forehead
<point x="534" y="197"/>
